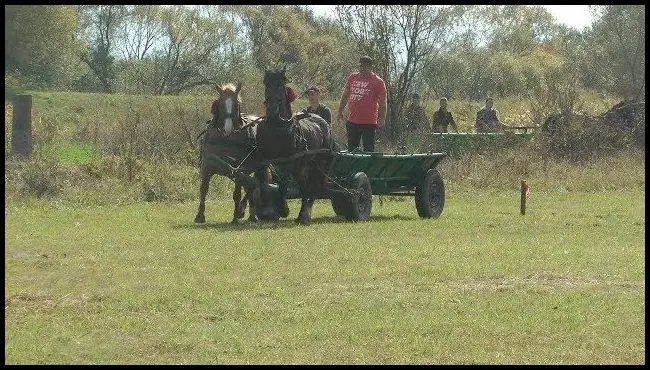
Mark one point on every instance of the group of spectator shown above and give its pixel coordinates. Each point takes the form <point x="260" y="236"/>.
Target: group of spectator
<point x="363" y="107"/>
<point x="487" y="118"/>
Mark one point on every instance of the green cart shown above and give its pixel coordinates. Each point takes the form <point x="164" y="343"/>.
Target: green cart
<point x="356" y="176"/>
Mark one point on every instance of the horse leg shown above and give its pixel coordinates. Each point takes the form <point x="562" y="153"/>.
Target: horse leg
<point x="240" y="204"/>
<point x="253" y="195"/>
<point x="312" y="186"/>
<point x="200" y="214"/>
<point x="304" y="217"/>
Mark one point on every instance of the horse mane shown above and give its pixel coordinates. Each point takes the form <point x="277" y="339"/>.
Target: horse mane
<point x="231" y="86"/>
<point x="290" y="93"/>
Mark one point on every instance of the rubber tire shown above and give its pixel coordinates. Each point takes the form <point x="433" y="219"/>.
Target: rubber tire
<point x="430" y="195"/>
<point x="280" y="202"/>
<point x="271" y="198"/>
<point x="281" y="206"/>
<point x="360" y="199"/>
<point x="339" y="205"/>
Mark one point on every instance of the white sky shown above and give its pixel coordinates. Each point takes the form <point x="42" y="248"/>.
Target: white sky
<point x="576" y="16"/>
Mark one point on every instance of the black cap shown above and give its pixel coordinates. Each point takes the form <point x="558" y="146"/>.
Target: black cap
<point x="365" y="60"/>
<point x="312" y="88"/>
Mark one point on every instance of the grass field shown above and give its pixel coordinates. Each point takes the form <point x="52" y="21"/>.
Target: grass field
<point x="140" y="283"/>
<point x="103" y="264"/>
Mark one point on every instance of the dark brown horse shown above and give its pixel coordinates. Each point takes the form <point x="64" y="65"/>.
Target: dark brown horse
<point x="281" y="135"/>
<point x="228" y="149"/>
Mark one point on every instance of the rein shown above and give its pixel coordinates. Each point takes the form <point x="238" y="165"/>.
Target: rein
<point x="253" y="123"/>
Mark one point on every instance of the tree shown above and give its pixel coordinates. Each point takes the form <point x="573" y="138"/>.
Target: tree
<point x="402" y="39"/>
<point x="100" y="25"/>
<point x="617" y="49"/>
<point x="313" y="49"/>
<point x="192" y="51"/>
<point x="141" y="31"/>
<point x="518" y="29"/>
<point x="495" y="50"/>
<point x="39" y="41"/>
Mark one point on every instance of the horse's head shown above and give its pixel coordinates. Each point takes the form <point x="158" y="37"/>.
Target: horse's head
<point x="275" y="94"/>
<point x="226" y="112"/>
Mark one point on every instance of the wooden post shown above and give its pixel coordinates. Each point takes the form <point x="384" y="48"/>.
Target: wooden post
<point x="524" y="195"/>
<point x="21" y="125"/>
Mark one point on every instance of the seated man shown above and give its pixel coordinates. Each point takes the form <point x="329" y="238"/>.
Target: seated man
<point x="487" y="119"/>
<point x="442" y="118"/>
<point x="416" y="118"/>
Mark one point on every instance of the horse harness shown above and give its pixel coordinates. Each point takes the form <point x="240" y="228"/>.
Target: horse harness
<point x="299" y="137"/>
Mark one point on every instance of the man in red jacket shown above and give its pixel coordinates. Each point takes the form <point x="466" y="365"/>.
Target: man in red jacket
<point x="364" y="95"/>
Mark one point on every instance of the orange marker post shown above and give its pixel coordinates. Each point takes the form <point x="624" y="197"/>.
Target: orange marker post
<point x="525" y="192"/>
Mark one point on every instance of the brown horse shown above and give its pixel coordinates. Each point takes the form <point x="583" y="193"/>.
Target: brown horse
<point x="281" y="135"/>
<point x="228" y="149"/>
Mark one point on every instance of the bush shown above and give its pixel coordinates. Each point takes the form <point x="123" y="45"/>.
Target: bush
<point x="168" y="183"/>
<point x="123" y="168"/>
<point x="580" y="136"/>
<point x="38" y="176"/>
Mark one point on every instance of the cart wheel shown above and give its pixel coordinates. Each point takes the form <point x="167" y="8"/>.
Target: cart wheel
<point x="360" y="200"/>
<point x="280" y="201"/>
<point x="281" y="206"/>
<point x="339" y="204"/>
<point x="273" y="204"/>
<point x="430" y="195"/>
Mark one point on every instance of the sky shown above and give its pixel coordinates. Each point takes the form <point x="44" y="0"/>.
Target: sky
<point x="576" y="16"/>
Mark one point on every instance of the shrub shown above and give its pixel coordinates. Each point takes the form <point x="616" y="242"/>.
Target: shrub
<point x="39" y="176"/>
<point x="123" y="168"/>
<point x="168" y="183"/>
<point x="580" y="136"/>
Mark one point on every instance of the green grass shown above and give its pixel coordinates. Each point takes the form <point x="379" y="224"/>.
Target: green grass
<point x="76" y="153"/>
<point x="107" y="266"/>
<point x="140" y="283"/>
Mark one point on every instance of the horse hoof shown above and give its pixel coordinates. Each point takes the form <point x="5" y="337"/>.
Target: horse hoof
<point x="235" y="221"/>
<point x="199" y="219"/>
<point x="253" y="219"/>
<point x="301" y="221"/>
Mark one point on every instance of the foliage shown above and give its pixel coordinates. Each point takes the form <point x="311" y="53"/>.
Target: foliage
<point x="579" y="136"/>
<point x="289" y="35"/>
<point x="517" y="29"/>
<point x="39" y="45"/>
<point x="402" y="40"/>
<point x="165" y="128"/>
<point x="462" y="51"/>
<point x="99" y="27"/>
<point x="557" y="92"/>
<point x="616" y="47"/>
<point x="38" y="176"/>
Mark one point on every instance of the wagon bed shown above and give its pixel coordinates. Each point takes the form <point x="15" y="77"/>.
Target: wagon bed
<point x="356" y="176"/>
<point x="388" y="173"/>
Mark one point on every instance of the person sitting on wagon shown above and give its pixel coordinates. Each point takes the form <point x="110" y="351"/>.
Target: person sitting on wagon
<point x="487" y="119"/>
<point x="442" y="118"/>
<point x="315" y="106"/>
<point x="416" y="118"/>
